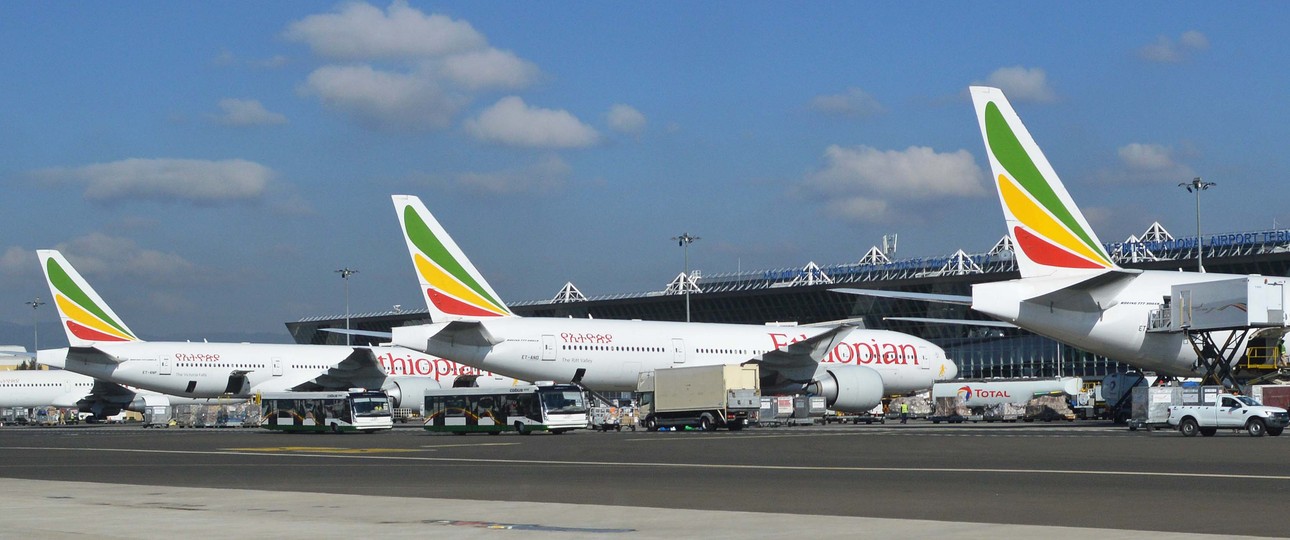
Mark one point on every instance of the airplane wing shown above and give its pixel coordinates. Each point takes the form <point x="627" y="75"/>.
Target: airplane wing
<point x="803" y="356"/>
<point x="856" y="322"/>
<point x="104" y="399"/>
<point x="367" y="333"/>
<point x="358" y="370"/>
<point x="961" y="322"/>
<point x="924" y="297"/>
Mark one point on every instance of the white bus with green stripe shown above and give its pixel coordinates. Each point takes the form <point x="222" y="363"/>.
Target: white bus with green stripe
<point x="335" y="412"/>
<point x="523" y="409"/>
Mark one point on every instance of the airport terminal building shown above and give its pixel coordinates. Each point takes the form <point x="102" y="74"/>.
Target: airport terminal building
<point x="803" y="295"/>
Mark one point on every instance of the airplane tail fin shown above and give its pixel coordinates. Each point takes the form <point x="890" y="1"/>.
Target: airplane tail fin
<point x="86" y="318"/>
<point x="1049" y="233"/>
<point x="454" y="289"/>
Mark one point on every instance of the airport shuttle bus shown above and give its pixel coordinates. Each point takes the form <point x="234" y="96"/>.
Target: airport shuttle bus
<point x="337" y="412"/>
<point x="524" y="409"/>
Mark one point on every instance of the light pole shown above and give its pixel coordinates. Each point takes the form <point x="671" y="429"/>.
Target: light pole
<point x="1196" y="186"/>
<point x="344" y="274"/>
<point x="684" y="241"/>
<point x="35" y="325"/>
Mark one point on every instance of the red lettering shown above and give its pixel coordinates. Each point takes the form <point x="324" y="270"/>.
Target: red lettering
<point x="867" y="357"/>
<point x="842" y="354"/>
<point x="909" y="352"/>
<point x="890" y="355"/>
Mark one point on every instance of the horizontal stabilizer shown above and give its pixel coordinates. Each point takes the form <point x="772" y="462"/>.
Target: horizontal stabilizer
<point x="902" y="295"/>
<point x="960" y="322"/>
<point x="92" y="354"/>
<point x="1092" y="294"/>
<point x="465" y="333"/>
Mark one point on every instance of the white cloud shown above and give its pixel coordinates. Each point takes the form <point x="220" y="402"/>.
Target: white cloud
<point x="858" y="210"/>
<point x="489" y="68"/>
<point x="1148" y="163"/>
<point x="626" y="119"/>
<point x="18" y="260"/>
<point x="867" y="184"/>
<point x="1146" y="157"/>
<point x="917" y="172"/>
<point x="854" y="103"/>
<point x="383" y="100"/>
<point x="246" y="112"/>
<point x="403" y="70"/>
<point x="1193" y="39"/>
<point x="1022" y="84"/>
<point x="359" y="31"/>
<point x="549" y="174"/>
<point x="97" y="254"/>
<point x="188" y="180"/>
<point x="511" y="122"/>
<point x="1165" y="50"/>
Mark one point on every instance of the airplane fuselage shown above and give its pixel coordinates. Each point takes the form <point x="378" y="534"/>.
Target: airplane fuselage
<point x="1113" y="324"/>
<point x="612" y="353"/>
<point x="41" y="388"/>
<point x="207" y="370"/>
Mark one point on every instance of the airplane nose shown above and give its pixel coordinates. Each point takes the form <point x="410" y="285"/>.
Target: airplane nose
<point x="948" y="370"/>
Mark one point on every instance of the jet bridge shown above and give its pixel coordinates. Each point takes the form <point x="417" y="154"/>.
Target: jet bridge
<point x="1232" y="311"/>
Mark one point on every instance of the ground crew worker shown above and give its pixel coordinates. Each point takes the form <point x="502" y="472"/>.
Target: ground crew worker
<point x="904" y="412"/>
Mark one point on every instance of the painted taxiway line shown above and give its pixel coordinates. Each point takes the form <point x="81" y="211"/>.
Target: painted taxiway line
<point x="713" y="466"/>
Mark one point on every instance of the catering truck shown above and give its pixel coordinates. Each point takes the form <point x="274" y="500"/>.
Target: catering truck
<point x="1228" y="411"/>
<point x="705" y="397"/>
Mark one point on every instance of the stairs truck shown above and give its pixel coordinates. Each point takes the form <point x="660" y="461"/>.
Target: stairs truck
<point x="1228" y="411"/>
<point x="703" y="397"/>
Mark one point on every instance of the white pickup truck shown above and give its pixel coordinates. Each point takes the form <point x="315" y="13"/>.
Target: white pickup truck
<point x="1229" y="412"/>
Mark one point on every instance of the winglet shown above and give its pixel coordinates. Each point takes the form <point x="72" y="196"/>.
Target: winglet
<point x="1050" y="233"/>
<point x="86" y="318"/>
<point x="454" y="289"/>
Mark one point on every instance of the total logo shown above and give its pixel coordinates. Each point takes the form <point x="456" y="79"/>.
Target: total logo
<point x="966" y="393"/>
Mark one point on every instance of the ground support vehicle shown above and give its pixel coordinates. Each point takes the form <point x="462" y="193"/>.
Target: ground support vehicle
<point x="613" y="418"/>
<point x="703" y="397"/>
<point x="337" y="412"/>
<point x="523" y="409"/>
<point x="949" y="409"/>
<point x="1150" y="406"/>
<point x="1228" y="411"/>
<point x="875" y="414"/>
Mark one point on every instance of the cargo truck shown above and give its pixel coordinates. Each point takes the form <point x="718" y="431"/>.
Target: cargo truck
<point x="703" y="397"/>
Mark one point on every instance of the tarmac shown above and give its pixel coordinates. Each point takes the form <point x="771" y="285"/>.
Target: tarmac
<point x="914" y="481"/>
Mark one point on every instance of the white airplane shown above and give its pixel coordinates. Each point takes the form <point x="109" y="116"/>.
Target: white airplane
<point x="103" y="347"/>
<point x="852" y="367"/>
<point x="1070" y="290"/>
<point x="65" y="389"/>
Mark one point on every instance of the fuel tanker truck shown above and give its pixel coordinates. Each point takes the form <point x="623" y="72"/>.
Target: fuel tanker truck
<point x="995" y="399"/>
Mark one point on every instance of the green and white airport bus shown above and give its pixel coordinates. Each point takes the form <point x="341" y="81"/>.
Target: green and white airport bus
<point x="337" y="412"/>
<point x="524" y="409"/>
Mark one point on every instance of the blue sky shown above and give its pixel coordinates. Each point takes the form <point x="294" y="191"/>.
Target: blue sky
<point x="208" y="166"/>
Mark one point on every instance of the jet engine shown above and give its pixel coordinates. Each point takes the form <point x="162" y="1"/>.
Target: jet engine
<point x="853" y="389"/>
<point x="408" y="392"/>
